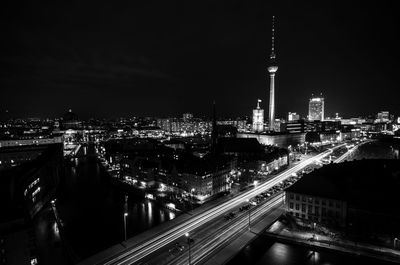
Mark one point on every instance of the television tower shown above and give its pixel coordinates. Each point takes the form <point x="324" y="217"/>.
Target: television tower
<point x="272" y="70"/>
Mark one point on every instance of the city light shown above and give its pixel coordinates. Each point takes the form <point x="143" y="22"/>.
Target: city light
<point x="197" y="139"/>
<point x="171" y="206"/>
<point x="149" y="196"/>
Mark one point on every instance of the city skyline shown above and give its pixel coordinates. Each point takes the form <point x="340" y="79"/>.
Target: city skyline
<point x="162" y="132"/>
<point x="136" y="65"/>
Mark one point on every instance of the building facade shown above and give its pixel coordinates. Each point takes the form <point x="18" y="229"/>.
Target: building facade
<point x="258" y="118"/>
<point x="293" y="116"/>
<point x="316" y="209"/>
<point x="277" y="139"/>
<point x="316" y="109"/>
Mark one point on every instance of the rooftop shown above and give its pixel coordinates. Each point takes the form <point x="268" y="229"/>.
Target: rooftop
<point x="363" y="184"/>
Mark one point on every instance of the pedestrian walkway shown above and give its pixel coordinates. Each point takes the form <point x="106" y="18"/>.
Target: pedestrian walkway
<point x="323" y="242"/>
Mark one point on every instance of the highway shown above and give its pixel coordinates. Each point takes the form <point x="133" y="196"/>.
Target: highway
<point x="227" y="231"/>
<point x="137" y="253"/>
<point x="219" y="232"/>
<point x="209" y="239"/>
<point x="350" y="151"/>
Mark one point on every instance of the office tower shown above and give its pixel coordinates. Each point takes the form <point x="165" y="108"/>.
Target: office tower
<point x="383" y="116"/>
<point x="187" y="117"/>
<point x="316" y="109"/>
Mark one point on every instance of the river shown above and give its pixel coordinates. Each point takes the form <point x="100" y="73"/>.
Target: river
<point x="91" y="211"/>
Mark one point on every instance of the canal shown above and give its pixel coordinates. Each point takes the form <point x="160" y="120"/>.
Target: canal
<point x="91" y="210"/>
<point x="265" y="251"/>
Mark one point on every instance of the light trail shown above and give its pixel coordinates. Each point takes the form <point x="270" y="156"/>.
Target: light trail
<point x="138" y="252"/>
<point x="350" y="151"/>
<point x="224" y="234"/>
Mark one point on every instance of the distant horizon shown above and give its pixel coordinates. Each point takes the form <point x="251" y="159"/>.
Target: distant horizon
<point x="179" y="115"/>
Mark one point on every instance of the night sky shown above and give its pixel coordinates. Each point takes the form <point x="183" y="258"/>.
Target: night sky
<point x="137" y="58"/>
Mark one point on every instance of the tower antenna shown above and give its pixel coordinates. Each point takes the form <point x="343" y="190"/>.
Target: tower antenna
<point x="273" y="55"/>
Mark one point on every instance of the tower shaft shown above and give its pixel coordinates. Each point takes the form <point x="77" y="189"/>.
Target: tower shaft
<point x="271" y="119"/>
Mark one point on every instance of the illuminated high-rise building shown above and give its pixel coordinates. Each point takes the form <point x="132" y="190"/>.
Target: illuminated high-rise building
<point x="383" y="116"/>
<point x="258" y="118"/>
<point x="272" y="70"/>
<point x="187" y="117"/>
<point x="316" y="109"/>
<point x="293" y="116"/>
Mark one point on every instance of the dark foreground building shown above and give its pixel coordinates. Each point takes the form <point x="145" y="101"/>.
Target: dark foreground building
<point x="25" y="187"/>
<point x="359" y="197"/>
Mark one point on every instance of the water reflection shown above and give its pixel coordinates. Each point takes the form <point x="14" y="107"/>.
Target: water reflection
<point x="162" y="216"/>
<point x="92" y="209"/>
<point x="149" y="213"/>
<point x="171" y="215"/>
<point x="280" y="253"/>
<point x="264" y="251"/>
<point x="56" y="231"/>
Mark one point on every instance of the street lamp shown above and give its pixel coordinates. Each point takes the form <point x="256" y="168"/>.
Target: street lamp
<point x="248" y="201"/>
<point x="314" y="253"/>
<point x="125" y="215"/>
<point x="314" y="225"/>
<point x="191" y="197"/>
<point x="189" y="241"/>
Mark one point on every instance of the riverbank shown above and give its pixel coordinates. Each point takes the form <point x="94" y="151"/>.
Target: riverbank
<point x="92" y="209"/>
<point x="314" y="240"/>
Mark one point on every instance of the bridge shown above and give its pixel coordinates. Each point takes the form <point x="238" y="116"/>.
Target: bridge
<point x="350" y="151"/>
<point x="209" y="220"/>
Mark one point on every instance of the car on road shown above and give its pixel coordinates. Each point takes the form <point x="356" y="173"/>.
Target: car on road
<point x="230" y="215"/>
<point x="177" y="248"/>
<point x="244" y="207"/>
<point x="266" y="194"/>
